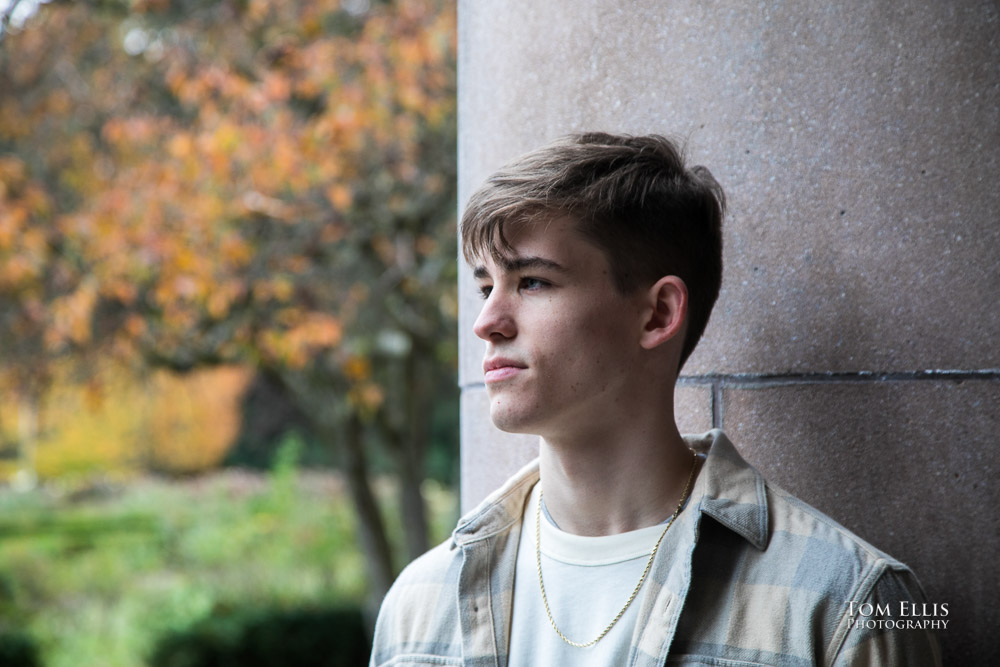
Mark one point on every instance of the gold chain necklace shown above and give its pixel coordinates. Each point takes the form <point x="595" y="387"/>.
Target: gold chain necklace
<point x="635" y="591"/>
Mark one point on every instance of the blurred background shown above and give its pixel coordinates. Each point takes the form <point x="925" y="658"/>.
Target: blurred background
<point x="228" y="398"/>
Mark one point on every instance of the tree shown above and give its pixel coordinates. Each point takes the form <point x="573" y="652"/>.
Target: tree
<point x="259" y="182"/>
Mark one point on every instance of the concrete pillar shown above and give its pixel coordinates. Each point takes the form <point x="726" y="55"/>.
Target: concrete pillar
<point x="852" y="354"/>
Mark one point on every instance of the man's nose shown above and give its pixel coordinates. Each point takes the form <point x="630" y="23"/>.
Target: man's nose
<point x="495" y="319"/>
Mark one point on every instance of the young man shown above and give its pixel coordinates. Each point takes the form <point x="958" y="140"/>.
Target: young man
<point x="599" y="259"/>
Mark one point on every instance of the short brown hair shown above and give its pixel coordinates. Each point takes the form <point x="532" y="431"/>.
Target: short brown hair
<point x="633" y="197"/>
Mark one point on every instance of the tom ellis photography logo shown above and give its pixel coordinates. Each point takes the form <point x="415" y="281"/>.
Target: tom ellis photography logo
<point x="899" y="615"/>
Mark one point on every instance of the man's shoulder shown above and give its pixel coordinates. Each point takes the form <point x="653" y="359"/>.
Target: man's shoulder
<point x="837" y="578"/>
<point x="438" y="570"/>
<point x="800" y="589"/>
<point x="438" y="566"/>
<point x="777" y="527"/>
<point x="419" y="615"/>
<point x="792" y="520"/>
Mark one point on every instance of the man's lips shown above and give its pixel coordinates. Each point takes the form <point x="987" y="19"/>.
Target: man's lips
<point x="501" y="368"/>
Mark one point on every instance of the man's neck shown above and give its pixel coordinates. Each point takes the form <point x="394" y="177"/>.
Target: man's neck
<point x="606" y="482"/>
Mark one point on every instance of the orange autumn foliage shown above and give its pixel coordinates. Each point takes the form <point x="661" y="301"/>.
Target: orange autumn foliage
<point x="121" y="423"/>
<point x="189" y="184"/>
<point x="186" y="134"/>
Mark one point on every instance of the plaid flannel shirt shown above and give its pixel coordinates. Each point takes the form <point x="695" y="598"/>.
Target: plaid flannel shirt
<point x="749" y="576"/>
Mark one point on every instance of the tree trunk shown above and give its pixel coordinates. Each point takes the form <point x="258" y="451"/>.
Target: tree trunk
<point x="371" y="528"/>
<point x="317" y="400"/>
<point x="413" y="510"/>
<point x="408" y="444"/>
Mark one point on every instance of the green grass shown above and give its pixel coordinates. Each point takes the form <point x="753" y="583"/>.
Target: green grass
<point x="99" y="581"/>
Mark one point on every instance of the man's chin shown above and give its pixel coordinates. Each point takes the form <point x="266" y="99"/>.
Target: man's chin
<point x="508" y="419"/>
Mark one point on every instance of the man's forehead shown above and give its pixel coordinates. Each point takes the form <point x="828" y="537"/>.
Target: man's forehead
<point x="512" y="263"/>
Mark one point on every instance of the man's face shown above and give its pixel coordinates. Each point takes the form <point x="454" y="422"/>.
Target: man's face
<point x="561" y="342"/>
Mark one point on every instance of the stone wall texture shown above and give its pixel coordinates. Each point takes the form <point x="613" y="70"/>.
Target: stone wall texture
<point x="852" y="355"/>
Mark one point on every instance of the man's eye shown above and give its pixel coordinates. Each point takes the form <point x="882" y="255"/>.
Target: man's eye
<point x="532" y="283"/>
<point x="484" y="291"/>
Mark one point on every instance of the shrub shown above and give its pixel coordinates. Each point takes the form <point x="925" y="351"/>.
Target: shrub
<point x="324" y="637"/>
<point x="18" y="649"/>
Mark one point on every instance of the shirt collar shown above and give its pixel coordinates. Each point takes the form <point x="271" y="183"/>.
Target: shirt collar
<point x="499" y="510"/>
<point x="728" y="489"/>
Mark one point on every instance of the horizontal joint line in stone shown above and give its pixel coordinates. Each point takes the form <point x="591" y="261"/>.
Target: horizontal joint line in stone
<point x="779" y="379"/>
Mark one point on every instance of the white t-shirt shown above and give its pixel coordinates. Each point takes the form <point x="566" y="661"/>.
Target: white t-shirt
<point x="587" y="581"/>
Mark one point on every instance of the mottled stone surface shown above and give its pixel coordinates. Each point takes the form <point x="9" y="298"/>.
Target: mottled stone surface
<point x="693" y="408"/>
<point x="911" y="467"/>
<point x="859" y="144"/>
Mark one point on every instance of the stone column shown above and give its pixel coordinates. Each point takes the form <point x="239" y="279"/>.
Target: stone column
<point x="852" y="353"/>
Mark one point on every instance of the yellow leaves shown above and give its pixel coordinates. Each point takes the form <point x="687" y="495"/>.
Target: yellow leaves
<point x="24" y="249"/>
<point x="312" y="28"/>
<point x="257" y="10"/>
<point x="13" y="123"/>
<point x="285" y="162"/>
<point x="12" y="173"/>
<point x="58" y="102"/>
<point x="297" y="264"/>
<point x="278" y="289"/>
<point x="178" y="317"/>
<point x="236" y="251"/>
<point x="124" y="292"/>
<point x="36" y="200"/>
<point x="366" y="398"/>
<point x="384" y="248"/>
<point x="181" y="146"/>
<point x="118" y="422"/>
<point x="277" y="87"/>
<point x="357" y="368"/>
<point x="332" y="232"/>
<point x="340" y="196"/>
<point x="226" y="138"/>
<point x="197" y="418"/>
<point x="411" y="51"/>
<point x="317" y="330"/>
<point x="308" y="88"/>
<point x="33" y="243"/>
<point x="135" y="326"/>
<point x="18" y="272"/>
<point x="308" y="334"/>
<point x="365" y="395"/>
<point x="281" y="121"/>
<point x="71" y="316"/>
<point x="218" y="304"/>
<point x="11" y="222"/>
<point x="134" y="129"/>
<point x="346" y="119"/>
<point x="185" y="259"/>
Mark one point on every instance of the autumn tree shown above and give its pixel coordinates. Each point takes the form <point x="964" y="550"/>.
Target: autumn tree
<point x="46" y="295"/>
<point x="269" y="183"/>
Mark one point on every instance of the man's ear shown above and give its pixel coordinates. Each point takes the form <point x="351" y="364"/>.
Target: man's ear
<point x="665" y="312"/>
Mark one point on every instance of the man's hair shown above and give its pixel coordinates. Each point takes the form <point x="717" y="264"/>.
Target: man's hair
<point x="632" y="197"/>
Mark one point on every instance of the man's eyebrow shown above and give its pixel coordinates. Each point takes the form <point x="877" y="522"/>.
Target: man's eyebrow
<point x="512" y="264"/>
